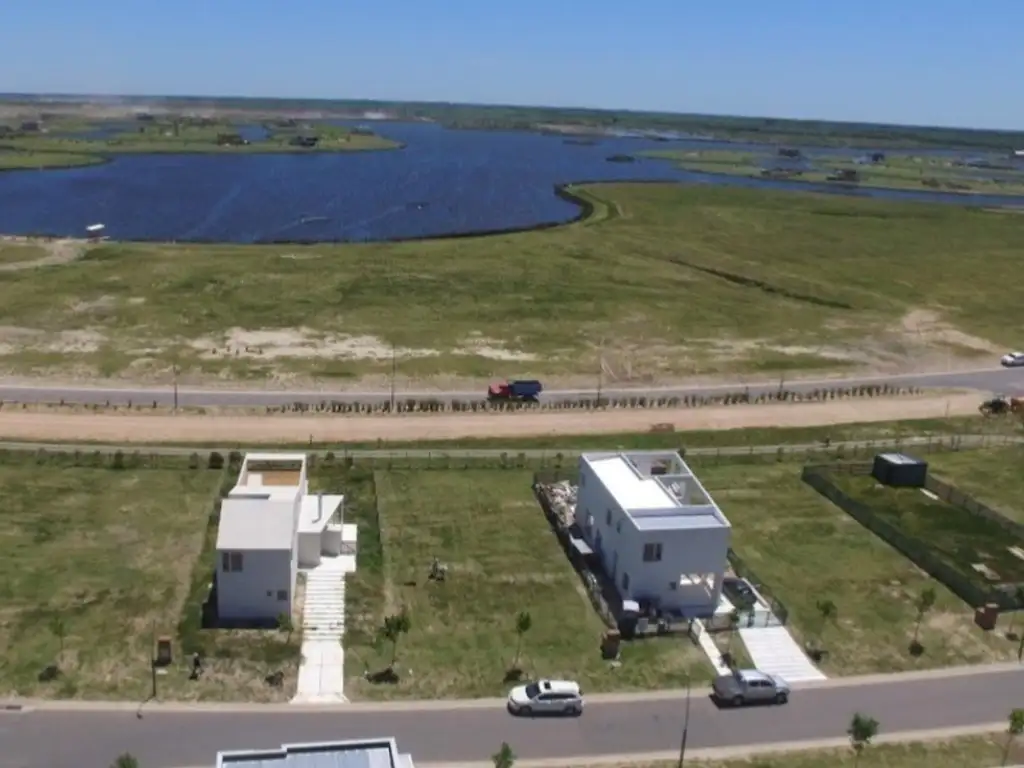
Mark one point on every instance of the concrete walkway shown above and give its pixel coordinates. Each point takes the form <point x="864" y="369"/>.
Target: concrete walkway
<point x="773" y="650"/>
<point x="707" y="644"/>
<point x="322" y="672"/>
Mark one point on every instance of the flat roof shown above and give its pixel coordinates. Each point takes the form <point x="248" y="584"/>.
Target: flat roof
<point x="343" y="754"/>
<point x="255" y="523"/>
<point x="628" y="488"/>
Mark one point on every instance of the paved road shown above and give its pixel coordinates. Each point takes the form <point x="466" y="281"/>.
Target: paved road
<point x="1005" y="381"/>
<point x="169" y="739"/>
<point x="938" y="442"/>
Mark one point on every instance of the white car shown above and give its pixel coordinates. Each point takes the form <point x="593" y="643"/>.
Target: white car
<point x="1012" y="360"/>
<point x="556" y="697"/>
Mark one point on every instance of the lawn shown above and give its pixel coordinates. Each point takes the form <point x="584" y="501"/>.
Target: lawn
<point x="957" y="537"/>
<point x="113" y="559"/>
<point x="807" y="550"/>
<point x="671" y="281"/>
<point x="963" y="752"/>
<point x="486" y="526"/>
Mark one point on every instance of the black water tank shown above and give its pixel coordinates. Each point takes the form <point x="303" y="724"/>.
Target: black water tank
<point x="899" y="470"/>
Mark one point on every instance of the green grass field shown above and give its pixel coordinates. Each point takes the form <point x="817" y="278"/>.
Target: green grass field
<point x="21" y="160"/>
<point x="671" y="281"/>
<point x="963" y="752"/>
<point x="956" y="536"/>
<point x="503" y="559"/>
<point x="806" y="550"/>
<point x="108" y="558"/>
<point x="897" y="172"/>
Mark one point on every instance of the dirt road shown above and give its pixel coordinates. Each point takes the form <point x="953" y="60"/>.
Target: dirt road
<point x="132" y="428"/>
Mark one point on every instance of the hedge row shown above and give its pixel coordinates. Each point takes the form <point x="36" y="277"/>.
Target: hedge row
<point x="433" y="405"/>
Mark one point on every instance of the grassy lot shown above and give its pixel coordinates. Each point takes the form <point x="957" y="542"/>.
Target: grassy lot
<point x="168" y="136"/>
<point x="807" y="550"/>
<point x="487" y="527"/>
<point x="13" y="253"/>
<point x="107" y="557"/>
<point x="902" y="172"/>
<point x="957" y="537"/>
<point x="997" y="483"/>
<point x="758" y="280"/>
<point x="964" y="752"/>
<point x="17" y="160"/>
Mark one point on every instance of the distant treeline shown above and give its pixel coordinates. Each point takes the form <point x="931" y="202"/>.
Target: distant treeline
<point x="768" y="130"/>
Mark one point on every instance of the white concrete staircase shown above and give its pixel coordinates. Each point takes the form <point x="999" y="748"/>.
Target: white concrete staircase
<point x="322" y="672"/>
<point x="773" y="650"/>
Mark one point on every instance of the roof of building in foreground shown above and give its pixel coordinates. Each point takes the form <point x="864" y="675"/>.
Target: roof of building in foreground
<point x="656" y="490"/>
<point x="363" y="753"/>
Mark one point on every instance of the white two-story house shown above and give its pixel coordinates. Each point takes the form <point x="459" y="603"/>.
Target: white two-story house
<point x="270" y="528"/>
<point x="657" y="533"/>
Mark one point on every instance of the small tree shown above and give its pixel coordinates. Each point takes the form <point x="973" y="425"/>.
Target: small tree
<point x="861" y="731"/>
<point x="286" y="625"/>
<point x="1013" y="730"/>
<point x="504" y="757"/>
<point x="734" y="624"/>
<point x="828" y="612"/>
<point x="924" y="603"/>
<point x="395" y="626"/>
<point x="1018" y="597"/>
<point x="126" y="760"/>
<point x="58" y="629"/>
<point x="523" y="624"/>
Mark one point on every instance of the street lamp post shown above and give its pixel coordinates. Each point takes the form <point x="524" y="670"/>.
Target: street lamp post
<point x="686" y="725"/>
<point x="394" y="371"/>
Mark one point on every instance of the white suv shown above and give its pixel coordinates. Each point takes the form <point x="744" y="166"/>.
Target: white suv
<point x="562" y="697"/>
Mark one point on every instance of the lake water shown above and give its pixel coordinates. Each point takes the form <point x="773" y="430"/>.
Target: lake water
<point x="443" y="182"/>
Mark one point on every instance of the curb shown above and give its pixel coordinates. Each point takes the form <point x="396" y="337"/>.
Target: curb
<point x="383" y="707"/>
<point x="746" y="750"/>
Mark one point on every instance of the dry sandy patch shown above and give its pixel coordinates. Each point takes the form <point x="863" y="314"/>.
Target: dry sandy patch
<point x="220" y="430"/>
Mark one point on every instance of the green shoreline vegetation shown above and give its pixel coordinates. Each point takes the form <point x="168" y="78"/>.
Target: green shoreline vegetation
<point x="42" y="142"/>
<point x="20" y="160"/>
<point x="572" y="121"/>
<point x="914" y="173"/>
<point x="661" y="281"/>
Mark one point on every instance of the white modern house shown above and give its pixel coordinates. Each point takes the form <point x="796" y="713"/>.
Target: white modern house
<point x="270" y="527"/>
<point x="656" y="531"/>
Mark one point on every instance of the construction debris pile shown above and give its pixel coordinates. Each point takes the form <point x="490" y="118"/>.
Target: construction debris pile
<point x="562" y="498"/>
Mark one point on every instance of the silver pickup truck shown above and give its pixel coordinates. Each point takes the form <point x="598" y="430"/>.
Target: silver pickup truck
<point x="750" y="686"/>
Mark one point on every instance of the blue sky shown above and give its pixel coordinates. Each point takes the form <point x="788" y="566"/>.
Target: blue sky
<point x="934" y="62"/>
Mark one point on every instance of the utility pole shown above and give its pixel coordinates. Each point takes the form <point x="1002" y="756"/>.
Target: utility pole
<point x="686" y="725"/>
<point x="394" y="371"/>
<point x="600" y="371"/>
<point x="175" y="370"/>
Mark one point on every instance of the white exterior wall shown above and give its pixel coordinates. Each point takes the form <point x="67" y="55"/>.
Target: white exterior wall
<point x="683" y="552"/>
<point x="620" y="547"/>
<point x="251" y="594"/>
<point x="309" y="548"/>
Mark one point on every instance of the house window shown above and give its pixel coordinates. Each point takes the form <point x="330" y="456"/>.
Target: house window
<point x="231" y="562"/>
<point x="618" y="527"/>
<point x="625" y="582"/>
<point x="608" y="518"/>
<point x="282" y="595"/>
<point x="652" y="552"/>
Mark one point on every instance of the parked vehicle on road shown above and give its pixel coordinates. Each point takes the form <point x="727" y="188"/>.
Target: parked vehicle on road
<point x="523" y="390"/>
<point x="546" y="697"/>
<point x="749" y="686"/>
<point x="1012" y="360"/>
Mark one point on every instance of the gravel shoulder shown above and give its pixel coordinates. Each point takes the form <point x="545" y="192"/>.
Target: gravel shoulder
<point x="131" y="428"/>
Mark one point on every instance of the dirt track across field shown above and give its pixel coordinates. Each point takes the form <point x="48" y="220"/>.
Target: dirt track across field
<point x="132" y="428"/>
